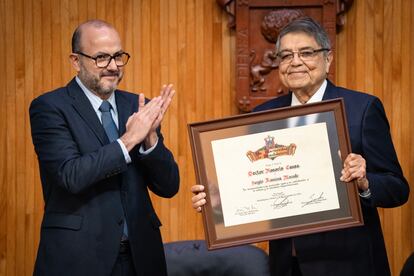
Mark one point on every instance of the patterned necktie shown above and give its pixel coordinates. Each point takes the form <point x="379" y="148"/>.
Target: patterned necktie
<point x="107" y="121"/>
<point x="112" y="133"/>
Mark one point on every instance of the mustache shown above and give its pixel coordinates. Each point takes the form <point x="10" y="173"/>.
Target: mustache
<point x="110" y="74"/>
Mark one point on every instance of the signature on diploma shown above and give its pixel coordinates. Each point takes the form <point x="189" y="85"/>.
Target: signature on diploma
<point x="281" y="202"/>
<point x="246" y="210"/>
<point x="314" y="199"/>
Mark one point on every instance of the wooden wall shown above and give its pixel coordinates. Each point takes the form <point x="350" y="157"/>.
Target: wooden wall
<point x="186" y="43"/>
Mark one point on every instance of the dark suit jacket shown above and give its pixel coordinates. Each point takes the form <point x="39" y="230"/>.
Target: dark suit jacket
<point x="87" y="188"/>
<point x="357" y="251"/>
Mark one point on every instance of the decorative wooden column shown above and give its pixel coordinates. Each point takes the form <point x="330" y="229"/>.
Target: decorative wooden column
<point x="257" y="24"/>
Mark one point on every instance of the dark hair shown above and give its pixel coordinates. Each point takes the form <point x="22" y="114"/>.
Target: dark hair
<point x="76" y="37"/>
<point x="308" y="26"/>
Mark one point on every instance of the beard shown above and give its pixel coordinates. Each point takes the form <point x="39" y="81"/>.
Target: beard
<point x="93" y="82"/>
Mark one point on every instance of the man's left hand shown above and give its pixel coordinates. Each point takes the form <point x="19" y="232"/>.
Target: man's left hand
<point x="167" y="93"/>
<point x="355" y="168"/>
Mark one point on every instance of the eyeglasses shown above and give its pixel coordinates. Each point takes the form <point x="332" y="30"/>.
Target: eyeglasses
<point x="286" y="56"/>
<point x="103" y="60"/>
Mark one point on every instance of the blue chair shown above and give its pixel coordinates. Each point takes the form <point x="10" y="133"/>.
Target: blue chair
<point x="191" y="258"/>
<point x="408" y="268"/>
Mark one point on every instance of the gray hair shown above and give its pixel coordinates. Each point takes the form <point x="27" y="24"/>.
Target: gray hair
<point x="76" y="37"/>
<point x="308" y="26"/>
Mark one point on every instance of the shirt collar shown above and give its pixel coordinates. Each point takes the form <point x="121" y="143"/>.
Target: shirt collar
<point x="94" y="99"/>
<point x="317" y="97"/>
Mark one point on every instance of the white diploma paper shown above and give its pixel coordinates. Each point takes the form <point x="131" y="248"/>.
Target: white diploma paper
<point x="275" y="174"/>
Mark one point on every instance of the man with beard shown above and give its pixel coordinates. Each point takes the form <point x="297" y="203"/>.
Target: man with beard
<point x="99" y="150"/>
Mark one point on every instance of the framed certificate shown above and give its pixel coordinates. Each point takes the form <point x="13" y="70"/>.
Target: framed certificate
<point x="274" y="174"/>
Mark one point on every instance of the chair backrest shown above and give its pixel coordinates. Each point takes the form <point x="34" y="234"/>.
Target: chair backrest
<point x="408" y="268"/>
<point x="188" y="258"/>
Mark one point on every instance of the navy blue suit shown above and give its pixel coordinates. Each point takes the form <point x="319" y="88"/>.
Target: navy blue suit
<point x="88" y="188"/>
<point x="357" y="251"/>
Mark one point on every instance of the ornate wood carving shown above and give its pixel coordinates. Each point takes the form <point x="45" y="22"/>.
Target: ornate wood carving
<point x="257" y="24"/>
<point x="271" y="25"/>
<point x="342" y="6"/>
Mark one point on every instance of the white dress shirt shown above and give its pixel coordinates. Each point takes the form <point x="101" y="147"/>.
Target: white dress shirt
<point x="317" y="97"/>
<point x="96" y="103"/>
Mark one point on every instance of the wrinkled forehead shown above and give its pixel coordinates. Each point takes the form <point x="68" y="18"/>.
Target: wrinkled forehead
<point x="297" y="40"/>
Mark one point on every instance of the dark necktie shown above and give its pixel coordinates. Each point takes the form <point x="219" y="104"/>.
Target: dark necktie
<point x="107" y="121"/>
<point x="112" y="133"/>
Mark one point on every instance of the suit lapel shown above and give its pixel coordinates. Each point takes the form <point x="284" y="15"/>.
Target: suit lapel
<point x="124" y="110"/>
<point x="330" y="92"/>
<point x="286" y="101"/>
<point x="85" y="110"/>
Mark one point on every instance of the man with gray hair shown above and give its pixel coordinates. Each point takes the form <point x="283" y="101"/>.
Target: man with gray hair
<point x="304" y="53"/>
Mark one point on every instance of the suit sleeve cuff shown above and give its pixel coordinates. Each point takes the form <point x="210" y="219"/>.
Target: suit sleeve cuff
<point x="148" y="151"/>
<point x="365" y="194"/>
<point x="124" y="151"/>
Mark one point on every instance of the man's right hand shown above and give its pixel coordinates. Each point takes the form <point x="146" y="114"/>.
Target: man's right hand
<point x="139" y="124"/>
<point x="199" y="197"/>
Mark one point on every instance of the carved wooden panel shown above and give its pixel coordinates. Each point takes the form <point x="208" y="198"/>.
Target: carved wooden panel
<point x="258" y="23"/>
